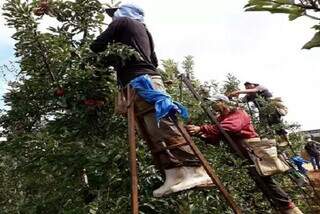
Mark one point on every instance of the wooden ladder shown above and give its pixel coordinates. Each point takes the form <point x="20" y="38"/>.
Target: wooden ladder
<point x="133" y="158"/>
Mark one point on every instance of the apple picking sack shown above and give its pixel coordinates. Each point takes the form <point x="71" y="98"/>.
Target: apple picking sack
<point x="265" y="157"/>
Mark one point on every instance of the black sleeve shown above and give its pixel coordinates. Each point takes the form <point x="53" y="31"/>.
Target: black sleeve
<point x="154" y="59"/>
<point x="108" y="36"/>
<point x="153" y="56"/>
<point x="307" y="147"/>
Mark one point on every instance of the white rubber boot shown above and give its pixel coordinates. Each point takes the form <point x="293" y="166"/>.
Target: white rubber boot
<point x="294" y="210"/>
<point x="173" y="177"/>
<point x="193" y="177"/>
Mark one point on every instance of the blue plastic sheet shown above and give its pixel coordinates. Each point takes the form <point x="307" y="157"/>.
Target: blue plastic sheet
<point x="164" y="105"/>
<point x="299" y="161"/>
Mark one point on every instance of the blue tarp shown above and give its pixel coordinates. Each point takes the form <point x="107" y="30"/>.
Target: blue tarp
<point x="163" y="103"/>
<point x="299" y="161"/>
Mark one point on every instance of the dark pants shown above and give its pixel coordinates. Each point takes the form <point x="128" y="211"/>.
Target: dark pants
<point x="315" y="161"/>
<point x="302" y="169"/>
<point x="168" y="147"/>
<point x="271" y="190"/>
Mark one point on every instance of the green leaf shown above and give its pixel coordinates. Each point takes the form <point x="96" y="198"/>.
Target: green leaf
<point x="285" y="1"/>
<point x="296" y="14"/>
<point x="314" y="42"/>
<point x="316" y="27"/>
<point x="271" y="10"/>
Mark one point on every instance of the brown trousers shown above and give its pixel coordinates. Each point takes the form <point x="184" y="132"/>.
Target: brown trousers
<point x="166" y="143"/>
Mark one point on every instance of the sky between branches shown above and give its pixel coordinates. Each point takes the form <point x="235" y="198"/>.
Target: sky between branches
<point x="223" y="39"/>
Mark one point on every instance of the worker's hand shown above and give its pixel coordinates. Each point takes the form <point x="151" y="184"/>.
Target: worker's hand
<point x="204" y="135"/>
<point x="192" y="129"/>
<point x="234" y="94"/>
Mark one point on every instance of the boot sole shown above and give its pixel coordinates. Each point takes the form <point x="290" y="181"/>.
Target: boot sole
<point x="198" y="187"/>
<point x="205" y="186"/>
<point x="176" y="188"/>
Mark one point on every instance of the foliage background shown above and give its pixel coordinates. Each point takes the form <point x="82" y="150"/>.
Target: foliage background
<point x="60" y="125"/>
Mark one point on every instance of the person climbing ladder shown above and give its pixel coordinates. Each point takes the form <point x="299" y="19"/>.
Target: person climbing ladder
<point x="181" y="167"/>
<point x="261" y="97"/>
<point x="237" y="123"/>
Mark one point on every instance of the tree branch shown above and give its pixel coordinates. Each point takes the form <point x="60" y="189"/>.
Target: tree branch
<point x="44" y="58"/>
<point x="313" y="4"/>
<point x="312" y="17"/>
<point x="302" y="5"/>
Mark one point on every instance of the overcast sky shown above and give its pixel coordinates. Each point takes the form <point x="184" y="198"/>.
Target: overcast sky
<point x="258" y="47"/>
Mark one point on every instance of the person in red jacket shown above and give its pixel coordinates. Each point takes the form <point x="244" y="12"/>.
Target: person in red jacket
<point x="237" y="123"/>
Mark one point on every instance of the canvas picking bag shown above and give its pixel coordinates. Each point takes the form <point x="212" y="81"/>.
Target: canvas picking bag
<point x="265" y="157"/>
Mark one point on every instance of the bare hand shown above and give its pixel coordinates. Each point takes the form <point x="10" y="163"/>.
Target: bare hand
<point x="234" y="94"/>
<point x="192" y="129"/>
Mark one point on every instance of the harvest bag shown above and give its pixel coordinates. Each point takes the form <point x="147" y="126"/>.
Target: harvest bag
<point x="265" y="157"/>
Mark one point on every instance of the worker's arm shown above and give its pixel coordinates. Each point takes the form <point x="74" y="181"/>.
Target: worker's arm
<point x="317" y="144"/>
<point x="196" y="130"/>
<point x="252" y="90"/>
<point x="246" y="91"/>
<point x="108" y="36"/>
<point x="101" y="42"/>
<point x="233" y="123"/>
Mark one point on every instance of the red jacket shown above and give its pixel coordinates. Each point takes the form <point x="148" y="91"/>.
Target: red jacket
<point x="237" y="124"/>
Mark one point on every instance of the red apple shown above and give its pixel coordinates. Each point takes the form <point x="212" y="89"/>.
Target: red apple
<point x="90" y="102"/>
<point x="59" y="92"/>
<point x="38" y="11"/>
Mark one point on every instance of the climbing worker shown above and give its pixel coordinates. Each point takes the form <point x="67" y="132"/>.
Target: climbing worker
<point x="181" y="167"/>
<point x="259" y="95"/>
<point x="312" y="147"/>
<point x="252" y="91"/>
<point x="237" y="123"/>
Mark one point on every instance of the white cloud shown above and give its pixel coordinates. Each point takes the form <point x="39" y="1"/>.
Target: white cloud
<point x="254" y="46"/>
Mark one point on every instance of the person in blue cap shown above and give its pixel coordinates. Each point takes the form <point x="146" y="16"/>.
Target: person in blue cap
<point x="181" y="167"/>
